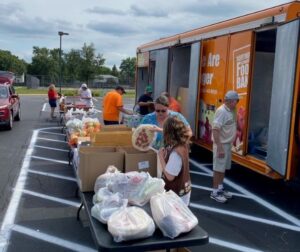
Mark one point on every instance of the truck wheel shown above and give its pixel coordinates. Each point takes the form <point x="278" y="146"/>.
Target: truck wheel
<point x="18" y="116"/>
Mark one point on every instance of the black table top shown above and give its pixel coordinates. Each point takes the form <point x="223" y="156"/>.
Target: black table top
<point x="105" y="242"/>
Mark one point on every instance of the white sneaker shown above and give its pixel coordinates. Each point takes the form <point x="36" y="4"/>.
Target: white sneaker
<point x="219" y="197"/>
<point x="226" y="194"/>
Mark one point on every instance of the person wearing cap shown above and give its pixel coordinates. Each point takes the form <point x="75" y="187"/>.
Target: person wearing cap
<point x="86" y="95"/>
<point x="113" y="105"/>
<point x="223" y="134"/>
<point x="145" y="101"/>
<point x="174" y="105"/>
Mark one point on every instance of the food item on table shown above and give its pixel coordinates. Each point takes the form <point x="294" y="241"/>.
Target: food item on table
<point x="142" y="137"/>
<point x="130" y="223"/>
<point x="107" y="206"/>
<point x="104" y="179"/>
<point x="171" y="215"/>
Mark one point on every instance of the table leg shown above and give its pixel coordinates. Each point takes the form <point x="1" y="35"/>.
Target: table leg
<point x="78" y="211"/>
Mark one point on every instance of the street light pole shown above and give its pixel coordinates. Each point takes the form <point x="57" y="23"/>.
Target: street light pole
<point x="60" y="33"/>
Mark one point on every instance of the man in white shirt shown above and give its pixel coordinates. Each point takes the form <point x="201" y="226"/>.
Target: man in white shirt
<point x="86" y="94"/>
<point x="223" y="134"/>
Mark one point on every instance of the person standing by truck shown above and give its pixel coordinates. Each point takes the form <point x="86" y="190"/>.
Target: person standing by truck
<point x="145" y="101"/>
<point x="223" y="134"/>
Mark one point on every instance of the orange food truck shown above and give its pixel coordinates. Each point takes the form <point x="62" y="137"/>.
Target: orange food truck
<point x="256" y="55"/>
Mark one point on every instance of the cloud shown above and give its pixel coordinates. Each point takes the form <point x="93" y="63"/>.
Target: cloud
<point x="112" y="28"/>
<point x="147" y="12"/>
<point x="105" y="11"/>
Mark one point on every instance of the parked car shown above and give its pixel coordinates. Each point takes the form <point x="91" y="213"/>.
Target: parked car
<point x="10" y="107"/>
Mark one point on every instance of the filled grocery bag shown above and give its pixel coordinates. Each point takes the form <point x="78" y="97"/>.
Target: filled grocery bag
<point x="171" y="215"/>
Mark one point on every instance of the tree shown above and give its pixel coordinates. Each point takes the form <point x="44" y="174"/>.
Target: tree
<point x="127" y="70"/>
<point x="73" y="64"/>
<point x="114" y="71"/>
<point x="45" y="62"/>
<point x="10" y="62"/>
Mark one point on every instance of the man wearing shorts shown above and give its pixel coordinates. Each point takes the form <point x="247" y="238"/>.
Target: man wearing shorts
<point x="223" y="134"/>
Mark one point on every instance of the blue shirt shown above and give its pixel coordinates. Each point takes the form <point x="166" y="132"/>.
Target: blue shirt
<point x="151" y="119"/>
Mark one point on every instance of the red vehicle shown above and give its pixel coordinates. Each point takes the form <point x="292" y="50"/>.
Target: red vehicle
<point x="10" y="108"/>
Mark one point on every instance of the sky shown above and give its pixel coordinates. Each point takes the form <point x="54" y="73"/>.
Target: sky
<point x="115" y="27"/>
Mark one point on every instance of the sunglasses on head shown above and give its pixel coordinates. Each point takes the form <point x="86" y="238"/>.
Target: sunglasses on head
<point x="161" y="110"/>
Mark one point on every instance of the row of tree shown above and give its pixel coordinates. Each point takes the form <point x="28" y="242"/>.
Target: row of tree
<point x="81" y="65"/>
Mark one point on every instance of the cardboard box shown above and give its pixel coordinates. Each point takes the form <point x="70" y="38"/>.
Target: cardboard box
<point x="112" y="138"/>
<point x="120" y="127"/>
<point x="93" y="161"/>
<point x="140" y="161"/>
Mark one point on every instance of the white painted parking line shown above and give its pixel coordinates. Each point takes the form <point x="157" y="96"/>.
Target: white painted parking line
<point x="11" y="211"/>
<point x="254" y="197"/>
<point x="50" y="148"/>
<point x="52" y="133"/>
<point x="233" y="246"/>
<point x="201" y="173"/>
<point x="245" y="216"/>
<point x="52" y="175"/>
<point x="44" y="107"/>
<point x="51" y="140"/>
<point x="210" y="189"/>
<point x="50" y="159"/>
<point x="55" y="199"/>
<point x="52" y="239"/>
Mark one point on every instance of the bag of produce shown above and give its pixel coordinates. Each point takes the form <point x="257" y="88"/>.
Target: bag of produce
<point x="171" y="215"/>
<point x="107" y="206"/>
<point x="130" y="223"/>
<point x="104" y="179"/>
<point x="149" y="188"/>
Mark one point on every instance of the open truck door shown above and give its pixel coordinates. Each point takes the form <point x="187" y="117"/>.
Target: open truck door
<point x="159" y="71"/>
<point x="286" y="53"/>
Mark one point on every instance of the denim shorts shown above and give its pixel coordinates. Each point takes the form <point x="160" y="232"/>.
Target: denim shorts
<point x="52" y="103"/>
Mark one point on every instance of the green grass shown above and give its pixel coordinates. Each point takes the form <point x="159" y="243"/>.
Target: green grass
<point x="130" y="93"/>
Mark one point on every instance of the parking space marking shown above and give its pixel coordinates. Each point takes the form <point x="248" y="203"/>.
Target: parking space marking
<point x="51" y="140"/>
<point x="55" y="199"/>
<point x="233" y="246"/>
<point x="50" y="159"/>
<point x="52" y="175"/>
<point x="210" y="189"/>
<point x="52" y="133"/>
<point x="245" y="216"/>
<point x="52" y="239"/>
<point x="11" y="211"/>
<point x="50" y="148"/>
<point x="253" y="197"/>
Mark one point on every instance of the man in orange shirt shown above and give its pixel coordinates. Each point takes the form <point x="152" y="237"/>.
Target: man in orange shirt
<point x="173" y="103"/>
<point x="112" y="105"/>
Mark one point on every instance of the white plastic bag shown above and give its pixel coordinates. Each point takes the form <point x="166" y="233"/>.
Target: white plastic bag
<point x="103" y="210"/>
<point x="104" y="179"/>
<point x="130" y="223"/>
<point x="171" y="215"/>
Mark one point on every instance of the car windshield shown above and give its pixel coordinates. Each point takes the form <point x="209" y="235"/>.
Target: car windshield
<point x="3" y="92"/>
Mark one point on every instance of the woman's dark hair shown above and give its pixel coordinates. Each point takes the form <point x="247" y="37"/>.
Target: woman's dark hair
<point x="162" y="100"/>
<point x="175" y="132"/>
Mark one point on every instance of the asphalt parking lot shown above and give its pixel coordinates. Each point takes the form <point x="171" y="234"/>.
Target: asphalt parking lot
<point x="39" y="212"/>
